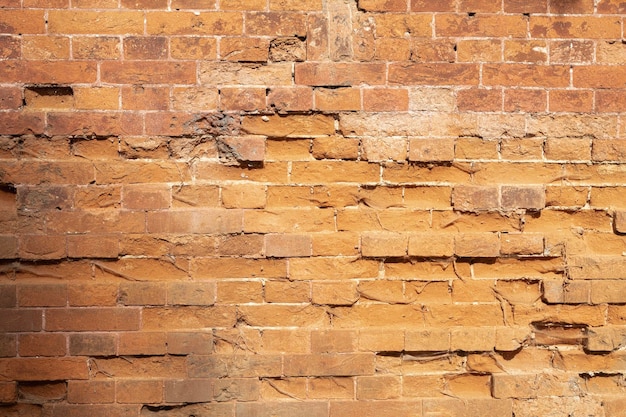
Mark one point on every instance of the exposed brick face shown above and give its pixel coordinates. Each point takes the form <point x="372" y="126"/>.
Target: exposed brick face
<point x="321" y="208"/>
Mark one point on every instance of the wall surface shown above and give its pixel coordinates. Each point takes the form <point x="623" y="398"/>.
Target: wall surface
<point x="312" y="208"/>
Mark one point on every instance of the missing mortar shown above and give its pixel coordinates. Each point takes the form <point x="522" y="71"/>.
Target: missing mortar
<point x="48" y="97"/>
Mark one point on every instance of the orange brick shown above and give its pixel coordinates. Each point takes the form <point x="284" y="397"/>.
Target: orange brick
<point x="526" y="51"/>
<point x="526" y="75"/>
<point x="571" y="51"/>
<point x="285" y="99"/>
<point x="138" y="391"/>
<point x="144" y="72"/>
<point x="339" y="74"/>
<point x="393" y="49"/>
<point x="571" y="100"/>
<point x="247" y="99"/>
<point x="480" y="99"/>
<point x="340" y="99"/>
<point x="287" y="245"/>
<point x="379" y="99"/>
<point x="433" y="74"/>
<point x="585" y="27"/>
<point x="378" y="387"/>
<point x="90" y="392"/>
<point x="275" y="24"/>
<point x="91" y="22"/>
<point x="17" y="21"/>
<point x="193" y="47"/>
<point x="384" y="244"/>
<point x="96" y="98"/>
<point x="145" y="98"/>
<point x="42" y="247"/>
<point x="477" y="245"/>
<point x="523" y="100"/>
<point x="479" y="50"/>
<point x="46" y="47"/>
<point x="143" y="343"/>
<point x="334" y="293"/>
<point x="188" y="23"/>
<point x="244" y="49"/>
<point x="483" y="25"/>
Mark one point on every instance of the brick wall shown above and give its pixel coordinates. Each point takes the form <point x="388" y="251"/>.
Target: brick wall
<point x="320" y="208"/>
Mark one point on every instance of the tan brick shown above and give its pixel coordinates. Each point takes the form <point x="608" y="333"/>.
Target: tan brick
<point x="279" y="245"/>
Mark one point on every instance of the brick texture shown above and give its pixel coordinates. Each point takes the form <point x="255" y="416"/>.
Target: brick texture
<point x="321" y="208"/>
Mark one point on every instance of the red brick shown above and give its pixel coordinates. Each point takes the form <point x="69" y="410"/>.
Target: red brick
<point x="473" y="198"/>
<point x="42" y="344"/>
<point x="245" y="99"/>
<point x="433" y="5"/>
<point x="286" y="99"/>
<point x="142" y="293"/>
<point x="275" y="24"/>
<point x="337" y="99"/>
<point x="585" y="27"/>
<point x="145" y="98"/>
<point x="379" y="99"/>
<point x="92" y="22"/>
<point x="241" y="149"/>
<point x="572" y="101"/>
<point x="198" y="221"/>
<point x="23" y="320"/>
<point x="525" y="75"/>
<point x="189" y="391"/>
<point x="147" y="72"/>
<point x="400" y="408"/>
<point x="188" y="317"/>
<point x="92" y="344"/>
<point x="93" y="246"/>
<point x="10" y="98"/>
<point x="383" y="5"/>
<point x="48" y="369"/>
<point x="433" y="74"/>
<point x="17" y="123"/>
<point x="525" y="6"/>
<point x="22" y="21"/>
<point x="91" y="392"/>
<point x="92" y="319"/>
<point x="530" y="198"/>
<point x="289" y="126"/>
<point x="188" y="23"/>
<point x="483" y="25"/>
<point x="94" y="124"/>
<point x="42" y="295"/>
<point x="191" y="293"/>
<point x="101" y="410"/>
<point x="42" y="247"/>
<point x="479" y="99"/>
<point x="184" y="343"/>
<point x="351" y="364"/>
<point x="142" y="343"/>
<point x="138" y="391"/>
<point x="523" y="100"/>
<point x="571" y="51"/>
<point x="8" y="392"/>
<point x="10" y="47"/>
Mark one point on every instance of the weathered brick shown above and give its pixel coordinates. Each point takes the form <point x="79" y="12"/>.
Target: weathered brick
<point x="474" y="198"/>
<point x="90" y="392"/>
<point x="92" y="344"/>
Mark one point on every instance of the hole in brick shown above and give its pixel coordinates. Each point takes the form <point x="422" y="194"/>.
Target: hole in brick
<point x="471" y="14"/>
<point x="287" y="49"/>
<point x="49" y="97"/>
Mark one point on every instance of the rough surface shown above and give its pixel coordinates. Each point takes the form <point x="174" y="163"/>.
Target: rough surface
<point x="320" y="208"/>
